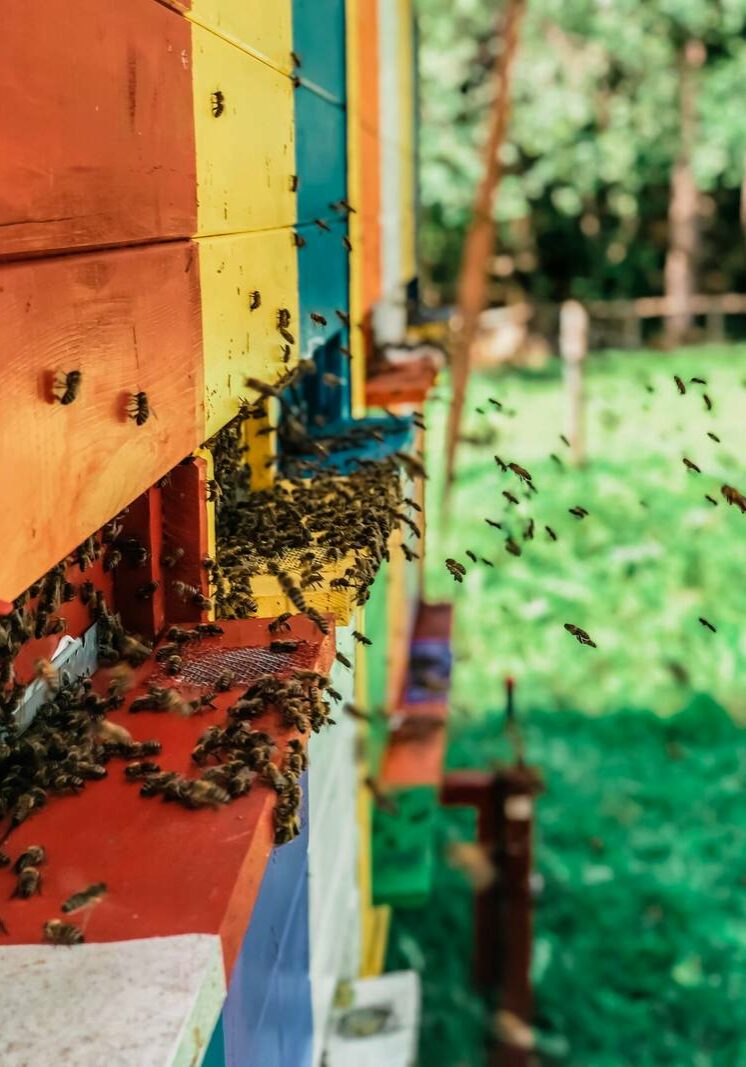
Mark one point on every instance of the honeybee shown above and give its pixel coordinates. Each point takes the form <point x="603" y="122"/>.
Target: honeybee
<point x="28" y="883"/>
<point x="551" y="533"/>
<point x="708" y="402"/>
<point x="496" y="525"/>
<point x="58" y="933"/>
<point x="33" y="856"/>
<point x="280" y="624"/>
<point x="343" y="205"/>
<point x="528" y="533"/>
<point x="343" y="317"/>
<point x="217" y="103"/>
<point x="522" y="473"/>
<point x="581" y="636"/>
<point x="347" y="242"/>
<point x="512" y="547"/>
<point x="191" y="594"/>
<point x="713" y="436"/>
<point x="322" y="225"/>
<point x="298" y="240"/>
<point x="733" y="496"/>
<point x="172" y="558"/>
<point x="255" y="300"/>
<point x="66" y="386"/>
<point x="509" y="497"/>
<point x="317" y="619"/>
<point x="141" y="769"/>
<point x="146" y="591"/>
<point x="578" y="511"/>
<point x="690" y="465"/>
<point x="679" y="384"/>
<point x="361" y="638"/>
<point x="332" y="380"/>
<point x="455" y="569"/>
<point x="91" y="895"/>
<point x="317" y="318"/>
<point x="499" y="462"/>
<point x="283" y="646"/>
<point x="707" y="624"/>
<point x="138" y="408"/>
<point x="44" y="670"/>
<point x="294" y="183"/>
<point x="698" y="381"/>
<point x="711" y="499"/>
<point x="209" y="629"/>
<point x="341" y="658"/>
<point x="225" y="681"/>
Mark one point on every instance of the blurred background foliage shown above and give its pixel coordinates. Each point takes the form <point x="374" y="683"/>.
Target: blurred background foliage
<point x="596" y="131"/>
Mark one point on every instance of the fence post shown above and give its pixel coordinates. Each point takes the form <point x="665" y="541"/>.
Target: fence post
<point x="574" y="349"/>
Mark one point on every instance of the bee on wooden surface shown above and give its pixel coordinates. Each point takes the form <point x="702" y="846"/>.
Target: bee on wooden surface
<point x="322" y="225"/>
<point x="275" y="778"/>
<point x="317" y="318"/>
<point x="179" y="636"/>
<point x="112" y="733"/>
<point x="579" y="512"/>
<point x="217" y="103"/>
<point x="66" y="386"/>
<point x="298" y="240"/>
<point x="294" y="183"/>
<point x="679" y="384"/>
<point x="146" y="591"/>
<point x="263" y="388"/>
<point x="255" y="300"/>
<point x="209" y="629"/>
<point x="138" y="408"/>
<point x="339" y="583"/>
<point x="711" y="499"/>
<point x="341" y="658"/>
<point x="318" y="619"/>
<point x="580" y="635"/>
<point x="28" y="883"/>
<point x="733" y="496"/>
<point x="455" y="569"/>
<point x="33" y="856"/>
<point x="280" y="624"/>
<point x="691" y="466"/>
<point x="551" y="533"/>
<point x="512" y="547"/>
<point x="58" y="933"/>
<point x="91" y="895"/>
<point x="133" y="650"/>
<point x="509" y="497"/>
<point x="347" y="242"/>
<point x="192" y="595"/>
<point x="708" y="402"/>
<point x="214" y="492"/>
<point x="225" y="681"/>
<point x="707" y="624"/>
<point x="280" y="647"/>
<point x="4" y="859"/>
<point x="343" y="205"/>
<point x="141" y="769"/>
<point x="172" y="557"/>
<point x="46" y="673"/>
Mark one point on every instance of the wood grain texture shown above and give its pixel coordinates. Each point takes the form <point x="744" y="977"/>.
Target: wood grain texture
<point x="246" y="155"/>
<point x="96" y="127"/>
<point x="239" y="342"/>
<point x="128" y="320"/>
<point x="261" y="27"/>
<point x="189" y="527"/>
<point x="143" y="523"/>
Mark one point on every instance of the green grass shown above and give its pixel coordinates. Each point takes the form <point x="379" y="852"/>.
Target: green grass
<point x="640" y="956"/>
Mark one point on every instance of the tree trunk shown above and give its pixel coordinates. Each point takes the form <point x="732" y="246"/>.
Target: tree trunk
<point x="682" y="211"/>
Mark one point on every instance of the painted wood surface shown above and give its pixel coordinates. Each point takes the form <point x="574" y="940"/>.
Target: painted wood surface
<point x="94" y="1004"/>
<point x="319" y="41"/>
<point x="323" y="284"/>
<point x="169" y="870"/>
<point x="129" y="321"/>
<point x="246" y="153"/>
<point x="96" y="127"/>
<point x="321" y="155"/>
<point x="262" y="28"/>
<point x="239" y="342"/>
<point x="407" y="148"/>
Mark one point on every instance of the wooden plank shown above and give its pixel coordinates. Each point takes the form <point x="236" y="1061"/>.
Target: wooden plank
<point x="142" y="611"/>
<point x="262" y="28"/>
<point x="188" y="536"/>
<point x="246" y="154"/>
<point x="128" y="320"/>
<point x="321" y="155"/>
<point x="319" y="41"/>
<point x="239" y="342"/>
<point x="324" y="284"/>
<point x="96" y="128"/>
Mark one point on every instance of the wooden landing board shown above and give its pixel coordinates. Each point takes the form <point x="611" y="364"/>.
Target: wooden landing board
<point x="168" y="870"/>
<point x="96" y="125"/>
<point x="128" y="320"/>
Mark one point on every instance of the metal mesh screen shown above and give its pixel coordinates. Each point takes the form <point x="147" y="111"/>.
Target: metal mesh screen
<point x="204" y="666"/>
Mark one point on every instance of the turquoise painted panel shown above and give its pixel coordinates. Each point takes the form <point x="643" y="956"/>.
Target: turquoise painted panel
<point x="320" y="155"/>
<point x="319" y="42"/>
<point x="323" y="281"/>
<point x="215" y="1054"/>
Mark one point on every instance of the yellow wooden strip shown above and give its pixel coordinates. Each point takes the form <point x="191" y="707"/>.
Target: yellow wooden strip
<point x="246" y="153"/>
<point x="354" y="223"/>
<point x="268" y="593"/>
<point x="206" y="455"/>
<point x="375" y="956"/>
<point x="261" y="448"/>
<point x="405" y="42"/>
<point x="260" y="27"/>
<point x="238" y="342"/>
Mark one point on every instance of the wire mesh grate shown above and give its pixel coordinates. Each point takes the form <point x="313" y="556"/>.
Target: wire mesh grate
<point x="205" y="666"/>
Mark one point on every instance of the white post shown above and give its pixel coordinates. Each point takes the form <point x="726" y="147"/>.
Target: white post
<point x="574" y="349"/>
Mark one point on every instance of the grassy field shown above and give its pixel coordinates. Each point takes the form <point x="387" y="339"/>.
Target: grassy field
<point x="640" y="954"/>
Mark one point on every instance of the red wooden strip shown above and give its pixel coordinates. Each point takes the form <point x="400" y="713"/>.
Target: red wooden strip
<point x="185" y="528"/>
<point x="96" y="125"/>
<point x="168" y="870"/>
<point x="129" y="320"/>
<point x="408" y="383"/>
<point x="141" y="611"/>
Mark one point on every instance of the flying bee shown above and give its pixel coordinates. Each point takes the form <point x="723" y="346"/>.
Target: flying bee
<point x="332" y="380"/>
<point x="512" y="547"/>
<point x="553" y="456"/>
<point x="343" y="205"/>
<point x="690" y="465"/>
<point x="33" y="856"/>
<point x="172" y="557"/>
<point x="499" y="462"/>
<point x="318" y="620"/>
<point x="713" y="436"/>
<point x="455" y="569"/>
<point x="711" y="499"/>
<point x="263" y="388"/>
<point x="578" y="511"/>
<point x="322" y="225"/>
<point x="138" y="408"/>
<point x="28" y="883"/>
<point x="509" y="497"/>
<point x="708" y="625"/>
<point x="361" y="638"/>
<point x="580" y="635"/>
<point x="66" y="386"/>
<point x="564" y="440"/>
<point x="708" y="402"/>
<point x="528" y="533"/>
<point x="347" y="242"/>
<point x="217" y="103"/>
<point x="341" y="658"/>
<point x="255" y="300"/>
<point x="91" y="895"/>
<point x="317" y="318"/>
<point x="551" y="533"/>
<point x="733" y="496"/>
<point x="679" y="384"/>
<point x="409" y="555"/>
<point x="521" y="472"/>
<point x="471" y="555"/>
<point x="491" y="522"/>
<point x="698" y="381"/>
<point x="343" y="317"/>
<point x="58" y="933"/>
